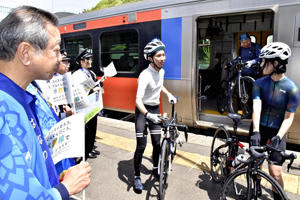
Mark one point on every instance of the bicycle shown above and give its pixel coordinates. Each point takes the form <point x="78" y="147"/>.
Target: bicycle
<point x="236" y="91"/>
<point x="243" y="183"/>
<point x="224" y="151"/>
<point x="168" y="149"/>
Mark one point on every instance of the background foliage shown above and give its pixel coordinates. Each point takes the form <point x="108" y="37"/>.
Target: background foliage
<point x="109" y="3"/>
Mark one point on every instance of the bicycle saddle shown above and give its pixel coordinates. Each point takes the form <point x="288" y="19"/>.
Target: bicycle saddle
<point x="235" y="117"/>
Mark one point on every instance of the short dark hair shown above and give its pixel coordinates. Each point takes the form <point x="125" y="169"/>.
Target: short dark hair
<point x="24" y="24"/>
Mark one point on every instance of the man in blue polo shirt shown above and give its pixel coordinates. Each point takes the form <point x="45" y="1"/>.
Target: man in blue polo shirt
<point x="29" y="50"/>
<point x="249" y="53"/>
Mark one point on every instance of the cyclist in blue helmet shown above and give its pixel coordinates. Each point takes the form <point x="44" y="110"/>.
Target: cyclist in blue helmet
<point x="275" y="100"/>
<point x="150" y="85"/>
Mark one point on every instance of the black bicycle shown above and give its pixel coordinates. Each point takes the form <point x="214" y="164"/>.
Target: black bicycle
<point x="226" y="151"/>
<point x="168" y="149"/>
<point x="243" y="183"/>
<point x="236" y="91"/>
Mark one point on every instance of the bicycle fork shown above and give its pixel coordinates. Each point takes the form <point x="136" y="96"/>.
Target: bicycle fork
<point x="170" y="152"/>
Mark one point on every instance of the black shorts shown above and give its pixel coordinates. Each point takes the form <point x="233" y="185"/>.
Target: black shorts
<point x="141" y="123"/>
<point x="266" y="133"/>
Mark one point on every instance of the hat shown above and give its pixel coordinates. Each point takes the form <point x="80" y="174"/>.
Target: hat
<point x="64" y="55"/>
<point x="244" y="36"/>
<point x="83" y="55"/>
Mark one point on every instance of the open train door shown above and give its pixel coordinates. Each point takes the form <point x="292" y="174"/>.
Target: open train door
<point x="217" y="44"/>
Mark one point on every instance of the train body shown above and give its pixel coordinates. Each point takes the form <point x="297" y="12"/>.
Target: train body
<point x="200" y="37"/>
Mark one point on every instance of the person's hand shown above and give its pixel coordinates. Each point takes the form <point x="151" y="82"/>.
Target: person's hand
<point x="171" y="98"/>
<point x="153" y="117"/>
<point x="275" y="141"/>
<point x="103" y="78"/>
<point x="68" y="111"/>
<point x="250" y="63"/>
<point x="255" y="139"/>
<point x="96" y="89"/>
<point x="77" y="178"/>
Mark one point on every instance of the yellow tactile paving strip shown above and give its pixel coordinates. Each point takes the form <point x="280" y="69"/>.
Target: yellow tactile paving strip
<point x="191" y="160"/>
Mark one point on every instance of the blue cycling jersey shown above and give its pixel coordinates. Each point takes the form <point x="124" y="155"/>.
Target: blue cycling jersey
<point x="277" y="98"/>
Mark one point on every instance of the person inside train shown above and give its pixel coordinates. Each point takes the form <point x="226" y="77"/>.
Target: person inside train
<point x="275" y="100"/>
<point x="30" y="44"/>
<point x="150" y="85"/>
<point x="84" y="60"/>
<point x="249" y="53"/>
<point x="126" y="61"/>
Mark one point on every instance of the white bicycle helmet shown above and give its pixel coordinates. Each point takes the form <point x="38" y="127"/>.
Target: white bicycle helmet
<point x="275" y="50"/>
<point x="152" y="47"/>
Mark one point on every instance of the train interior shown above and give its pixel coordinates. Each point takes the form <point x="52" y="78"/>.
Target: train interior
<point x="217" y="44"/>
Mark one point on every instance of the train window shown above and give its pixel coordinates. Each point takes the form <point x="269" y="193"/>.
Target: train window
<point x="76" y="45"/>
<point x="121" y="48"/>
<point x="204" y="53"/>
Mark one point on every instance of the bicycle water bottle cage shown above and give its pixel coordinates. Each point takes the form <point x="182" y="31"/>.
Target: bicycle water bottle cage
<point x="235" y="117"/>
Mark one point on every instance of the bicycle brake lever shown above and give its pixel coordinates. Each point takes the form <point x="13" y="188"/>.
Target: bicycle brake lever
<point x="292" y="158"/>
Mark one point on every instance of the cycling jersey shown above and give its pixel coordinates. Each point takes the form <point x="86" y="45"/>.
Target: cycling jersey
<point x="150" y="83"/>
<point x="277" y="98"/>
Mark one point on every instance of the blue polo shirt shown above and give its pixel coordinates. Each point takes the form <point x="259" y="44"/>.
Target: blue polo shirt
<point x="26" y="167"/>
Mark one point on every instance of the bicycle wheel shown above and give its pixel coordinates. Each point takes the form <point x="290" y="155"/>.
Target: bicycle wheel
<point x="246" y="101"/>
<point x="237" y="186"/>
<point x="219" y="155"/>
<point x="243" y="104"/>
<point x="164" y="169"/>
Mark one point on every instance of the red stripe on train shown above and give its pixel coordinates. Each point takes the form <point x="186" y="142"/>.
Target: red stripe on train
<point x="119" y="94"/>
<point x="114" y="21"/>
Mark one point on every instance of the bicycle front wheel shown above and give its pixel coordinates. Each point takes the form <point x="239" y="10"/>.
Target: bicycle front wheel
<point x="246" y="101"/>
<point x="239" y="186"/>
<point x="219" y="155"/>
<point x="164" y="169"/>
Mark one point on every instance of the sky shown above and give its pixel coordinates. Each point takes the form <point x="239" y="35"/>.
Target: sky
<point x="73" y="6"/>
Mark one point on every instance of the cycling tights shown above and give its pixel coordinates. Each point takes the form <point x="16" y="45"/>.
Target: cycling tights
<point x="141" y="125"/>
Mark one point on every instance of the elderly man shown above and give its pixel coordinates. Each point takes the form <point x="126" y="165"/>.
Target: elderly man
<point x="29" y="50"/>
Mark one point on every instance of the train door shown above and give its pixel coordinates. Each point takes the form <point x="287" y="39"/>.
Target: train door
<point x="217" y="44"/>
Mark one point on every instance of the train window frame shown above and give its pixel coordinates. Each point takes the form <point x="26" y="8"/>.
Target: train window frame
<point x="73" y="64"/>
<point x="135" y="59"/>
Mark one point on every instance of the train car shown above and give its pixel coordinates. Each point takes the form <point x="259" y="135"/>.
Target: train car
<point x="201" y="36"/>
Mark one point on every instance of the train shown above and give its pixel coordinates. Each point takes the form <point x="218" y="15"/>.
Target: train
<point x="201" y="36"/>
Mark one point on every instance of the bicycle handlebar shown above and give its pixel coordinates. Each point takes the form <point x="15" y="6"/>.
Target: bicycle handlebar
<point x="264" y="151"/>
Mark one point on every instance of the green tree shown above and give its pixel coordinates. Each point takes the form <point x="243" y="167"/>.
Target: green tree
<point x="109" y="3"/>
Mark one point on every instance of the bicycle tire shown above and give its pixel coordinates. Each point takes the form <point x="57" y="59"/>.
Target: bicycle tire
<point x="164" y="169"/>
<point x="219" y="155"/>
<point x="237" y="186"/>
<point x="246" y="101"/>
<point x="243" y="104"/>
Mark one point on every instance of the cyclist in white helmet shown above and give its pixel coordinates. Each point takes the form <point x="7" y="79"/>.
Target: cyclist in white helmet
<point x="150" y="84"/>
<point x="275" y="100"/>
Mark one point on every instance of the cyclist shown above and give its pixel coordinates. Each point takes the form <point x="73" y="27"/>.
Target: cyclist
<point x="275" y="100"/>
<point x="150" y="84"/>
<point x="249" y="53"/>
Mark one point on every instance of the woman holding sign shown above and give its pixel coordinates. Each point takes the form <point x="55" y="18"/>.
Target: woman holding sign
<point x="90" y="85"/>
